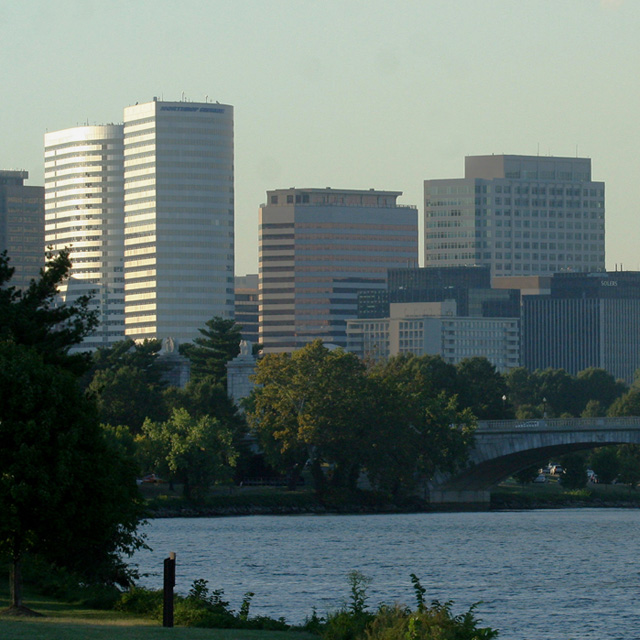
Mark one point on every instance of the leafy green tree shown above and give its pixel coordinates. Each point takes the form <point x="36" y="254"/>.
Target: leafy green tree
<point x="606" y="464"/>
<point x="627" y="404"/>
<point x="124" y="397"/>
<point x="66" y="493"/>
<point x="309" y="406"/>
<point x="416" y="429"/>
<point x="629" y="456"/>
<point x="127" y="383"/>
<point x="522" y="387"/>
<point x="34" y="317"/>
<point x="557" y="393"/>
<point x="528" y="412"/>
<point x="52" y="442"/>
<point x="575" y="471"/>
<point x="198" y="451"/>
<point x="207" y="397"/>
<point x="209" y="354"/>
<point x="481" y="389"/>
<point x="142" y="356"/>
<point x="527" y="475"/>
<point x="593" y="409"/>
<point x="597" y="385"/>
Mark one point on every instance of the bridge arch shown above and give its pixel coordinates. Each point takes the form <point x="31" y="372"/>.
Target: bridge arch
<point x="503" y="447"/>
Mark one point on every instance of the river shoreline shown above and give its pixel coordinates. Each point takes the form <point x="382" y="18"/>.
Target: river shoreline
<point x="498" y="503"/>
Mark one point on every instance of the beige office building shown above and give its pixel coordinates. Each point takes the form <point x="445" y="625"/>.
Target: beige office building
<point x="317" y="249"/>
<point x="433" y="328"/>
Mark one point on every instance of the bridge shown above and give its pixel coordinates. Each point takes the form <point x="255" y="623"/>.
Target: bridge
<point x="503" y="447"/>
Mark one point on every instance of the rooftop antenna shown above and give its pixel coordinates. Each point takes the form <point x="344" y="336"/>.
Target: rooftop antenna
<point x="183" y="96"/>
<point x="538" y="148"/>
<point x="576" y="150"/>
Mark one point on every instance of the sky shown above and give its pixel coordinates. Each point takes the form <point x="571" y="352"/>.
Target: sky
<point x="354" y="94"/>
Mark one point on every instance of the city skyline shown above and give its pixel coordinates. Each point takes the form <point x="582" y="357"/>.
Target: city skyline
<point x="343" y="94"/>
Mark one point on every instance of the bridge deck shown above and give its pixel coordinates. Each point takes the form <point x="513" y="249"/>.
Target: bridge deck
<point x="558" y="424"/>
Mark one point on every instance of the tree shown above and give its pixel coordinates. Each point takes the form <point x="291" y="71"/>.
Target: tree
<point x="309" y="405"/>
<point x="52" y="443"/>
<point x="124" y="396"/>
<point x="416" y="428"/>
<point x="575" y="471"/>
<point x="127" y="383"/>
<point x="597" y="385"/>
<point x="627" y="404"/>
<point x="63" y="487"/>
<point x="209" y="354"/>
<point x="606" y="464"/>
<point x="481" y="389"/>
<point x="629" y="456"/>
<point x="557" y="392"/>
<point x="36" y="318"/>
<point x="199" y="452"/>
<point x="523" y="387"/>
<point x="528" y="474"/>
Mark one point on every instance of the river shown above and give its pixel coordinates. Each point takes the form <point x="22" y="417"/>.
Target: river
<point x="539" y="575"/>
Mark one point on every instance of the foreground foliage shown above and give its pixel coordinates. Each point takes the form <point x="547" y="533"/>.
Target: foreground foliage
<point x="323" y="409"/>
<point x="67" y="493"/>
<point x="204" y="608"/>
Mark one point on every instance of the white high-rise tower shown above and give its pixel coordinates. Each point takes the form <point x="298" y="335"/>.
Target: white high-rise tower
<point x="178" y="218"/>
<point x="84" y="211"/>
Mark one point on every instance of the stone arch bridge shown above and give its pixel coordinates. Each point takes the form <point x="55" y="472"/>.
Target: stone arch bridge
<point x="503" y="447"/>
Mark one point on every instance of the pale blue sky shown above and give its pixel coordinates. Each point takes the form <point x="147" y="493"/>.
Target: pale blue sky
<point x="348" y="94"/>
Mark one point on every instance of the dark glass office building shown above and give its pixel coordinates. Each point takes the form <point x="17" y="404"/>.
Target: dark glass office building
<point x="22" y="226"/>
<point x="588" y="320"/>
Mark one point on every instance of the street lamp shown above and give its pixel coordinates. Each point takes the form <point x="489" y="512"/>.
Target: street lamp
<point x="504" y="406"/>
<point x="544" y="408"/>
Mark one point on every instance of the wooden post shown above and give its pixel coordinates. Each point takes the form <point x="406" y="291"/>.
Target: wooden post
<point x="169" y="583"/>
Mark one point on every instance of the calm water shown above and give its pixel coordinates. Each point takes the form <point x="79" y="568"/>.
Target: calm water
<point x="541" y="575"/>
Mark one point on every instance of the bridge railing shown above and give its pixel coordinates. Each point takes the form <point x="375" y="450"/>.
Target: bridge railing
<point x="544" y="424"/>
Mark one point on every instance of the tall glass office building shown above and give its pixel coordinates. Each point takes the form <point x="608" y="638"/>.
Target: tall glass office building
<point x="84" y="212"/>
<point x="178" y="218"/>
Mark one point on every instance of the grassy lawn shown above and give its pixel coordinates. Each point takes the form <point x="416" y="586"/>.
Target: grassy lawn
<point x="553" y="491"/>
<point x="64" y="621"/>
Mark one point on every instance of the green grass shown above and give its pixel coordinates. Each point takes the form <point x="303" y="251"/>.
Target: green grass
<point x="68" y="621"/>
<point x="553" y="493"/>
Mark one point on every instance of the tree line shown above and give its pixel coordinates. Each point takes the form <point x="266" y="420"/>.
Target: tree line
<point x="324" y="413"/>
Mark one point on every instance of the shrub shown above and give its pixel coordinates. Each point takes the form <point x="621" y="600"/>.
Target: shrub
<point x="436" y="622"/>
<point x="141" y="601"/>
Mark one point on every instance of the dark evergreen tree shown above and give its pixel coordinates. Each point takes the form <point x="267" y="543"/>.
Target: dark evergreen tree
<point x="36" y="317"/>
<point x="209" y="354"/>
<point x="66" y="493"/>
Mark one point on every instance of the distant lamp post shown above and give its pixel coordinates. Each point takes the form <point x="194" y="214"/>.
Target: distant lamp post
<point x="544" y="408"/>
<point x="504" y="406"/>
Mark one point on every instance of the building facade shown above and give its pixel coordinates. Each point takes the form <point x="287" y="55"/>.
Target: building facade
<point x="521" y="215"/>
<point x="317" y="249"/>
<point x="178" y="218"/>
<point x="246" y="306"/>
<point x="588" y="320"/>
<point x="84" y="212"/>
<point x="434" y="328"/>
<point x="21" y="226"/>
